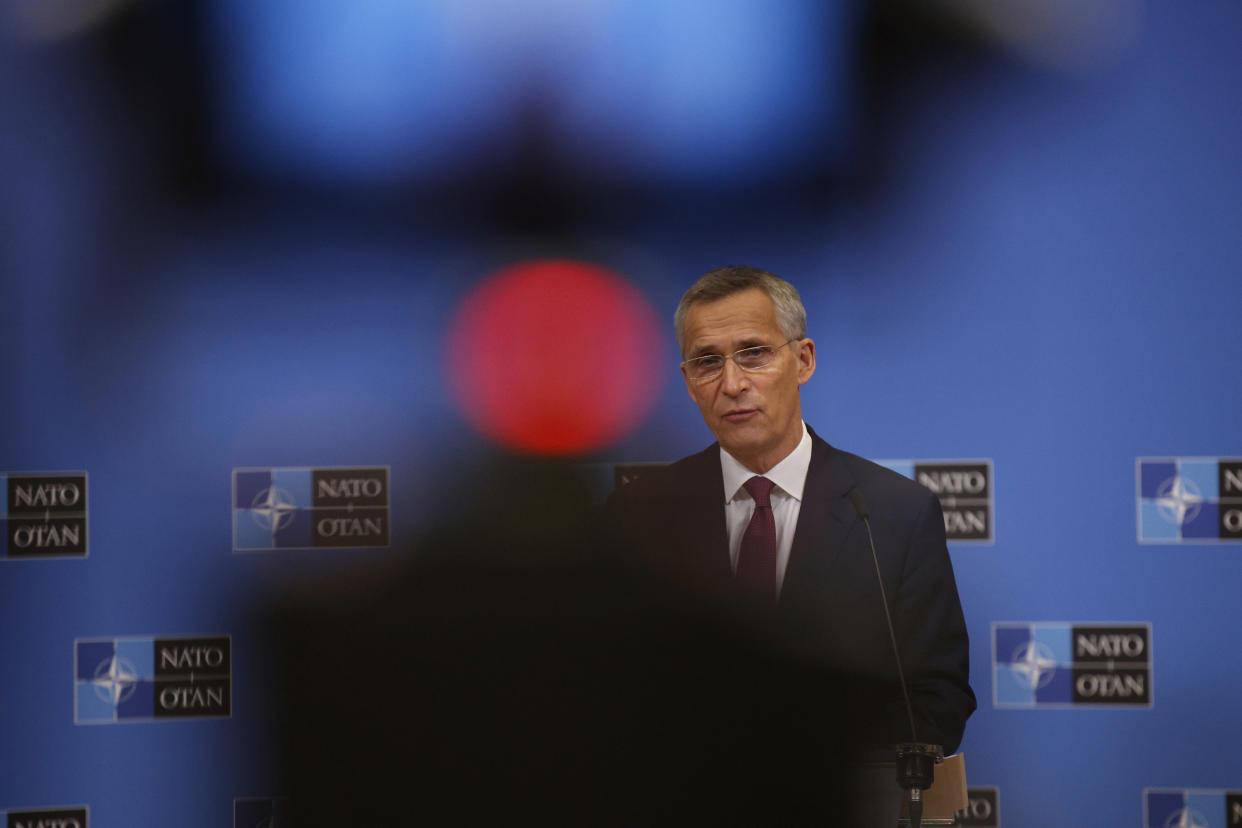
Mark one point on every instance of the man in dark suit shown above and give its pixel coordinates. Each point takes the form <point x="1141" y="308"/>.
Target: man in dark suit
<point x="765" y="519"/>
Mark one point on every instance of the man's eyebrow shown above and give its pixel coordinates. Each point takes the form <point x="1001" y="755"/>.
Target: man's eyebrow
<point x="741" y="344"/>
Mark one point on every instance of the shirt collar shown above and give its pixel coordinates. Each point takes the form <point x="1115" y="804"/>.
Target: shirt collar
<point x="789" y="475"/>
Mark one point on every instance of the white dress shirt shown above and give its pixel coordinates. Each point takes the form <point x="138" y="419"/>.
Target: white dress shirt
<point x="789" y="475"/>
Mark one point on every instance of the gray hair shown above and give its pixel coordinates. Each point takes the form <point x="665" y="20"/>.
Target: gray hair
<point x="726" y="281"/>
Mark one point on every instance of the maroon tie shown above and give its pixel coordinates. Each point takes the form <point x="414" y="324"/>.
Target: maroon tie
<point x="756" y="563"/>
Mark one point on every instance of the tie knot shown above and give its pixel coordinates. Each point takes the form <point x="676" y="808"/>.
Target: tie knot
<point x="760" y="489"/>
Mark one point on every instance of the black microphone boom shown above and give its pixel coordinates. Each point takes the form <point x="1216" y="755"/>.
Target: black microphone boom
<point x="860" y="506"/>
<point x="915" y="760"/>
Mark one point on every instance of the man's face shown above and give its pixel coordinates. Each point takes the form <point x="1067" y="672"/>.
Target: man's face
<point x="755" y="415"/>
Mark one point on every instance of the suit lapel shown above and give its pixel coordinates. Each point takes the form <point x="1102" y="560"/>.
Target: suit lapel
<point x="700" y="528"/>
<point x="825" y="521"/>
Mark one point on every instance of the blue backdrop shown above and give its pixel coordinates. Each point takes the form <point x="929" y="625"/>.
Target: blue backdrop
<point x="1052" y="282"/>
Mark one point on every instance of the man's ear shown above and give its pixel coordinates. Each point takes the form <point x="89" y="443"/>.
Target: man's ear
<point x="806" y="360"/>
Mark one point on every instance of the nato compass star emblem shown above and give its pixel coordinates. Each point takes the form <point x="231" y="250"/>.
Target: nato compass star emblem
<point x="1189" y="499"/>
<point x="1034" y="663"/>
<point x="1028" y="661"/>
<point x="115" y="680"/>
<point x="1186" y="818"/>
<point x="273" y="508"/>
<point x="1179" y="500"/>
<point x="300" y="507"/>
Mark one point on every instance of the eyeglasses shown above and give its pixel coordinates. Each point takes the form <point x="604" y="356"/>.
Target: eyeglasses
<point x="707" y="368"/>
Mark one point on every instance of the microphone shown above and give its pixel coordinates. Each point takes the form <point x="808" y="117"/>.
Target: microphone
<point x="916" y="760"/>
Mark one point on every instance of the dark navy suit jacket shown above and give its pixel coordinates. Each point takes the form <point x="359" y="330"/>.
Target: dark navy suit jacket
<point x="829" y="608"/>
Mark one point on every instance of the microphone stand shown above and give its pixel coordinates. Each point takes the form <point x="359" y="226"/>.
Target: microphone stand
<point x="916" y="761"/>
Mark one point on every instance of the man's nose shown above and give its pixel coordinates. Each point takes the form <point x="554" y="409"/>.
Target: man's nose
<point x="733" y="379"/>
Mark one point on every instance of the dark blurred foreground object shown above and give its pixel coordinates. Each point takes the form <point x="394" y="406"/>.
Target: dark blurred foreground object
<point x="517" y="673"/>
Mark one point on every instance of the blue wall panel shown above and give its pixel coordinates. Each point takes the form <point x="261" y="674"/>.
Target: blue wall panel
<point x="1055" y="286"/>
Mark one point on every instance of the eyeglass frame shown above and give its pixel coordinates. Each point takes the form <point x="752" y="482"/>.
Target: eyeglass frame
<point x="733" y="356"/>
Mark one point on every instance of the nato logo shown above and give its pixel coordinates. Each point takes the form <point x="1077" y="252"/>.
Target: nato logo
<point x="151" y="679"/>
<point x="303" y="508"/>
<point x="965" y="491"/>
<point x="982" y="808"/>
<point x="74" y="816"/>
<point x="1191" y="808"/>
<point x="1064" y="664"/>
<point x="259" y="812"/>
<point x="44" y="515"/>
<point x="1189" y="499"/>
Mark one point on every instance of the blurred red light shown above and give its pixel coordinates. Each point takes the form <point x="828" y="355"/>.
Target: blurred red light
<point x="555" y="357"/>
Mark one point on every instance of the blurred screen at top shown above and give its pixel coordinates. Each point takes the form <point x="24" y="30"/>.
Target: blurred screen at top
<point x="649" y="92"/>
<point x="344" y="91"/>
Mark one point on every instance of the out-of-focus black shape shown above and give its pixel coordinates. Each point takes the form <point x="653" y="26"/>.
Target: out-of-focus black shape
<point x="529" y="191"/>
<point x="158" y="62"/>
<point x="517" y="672"/>
<point x="152" y="55"/>
<point x="907" y="49"/>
